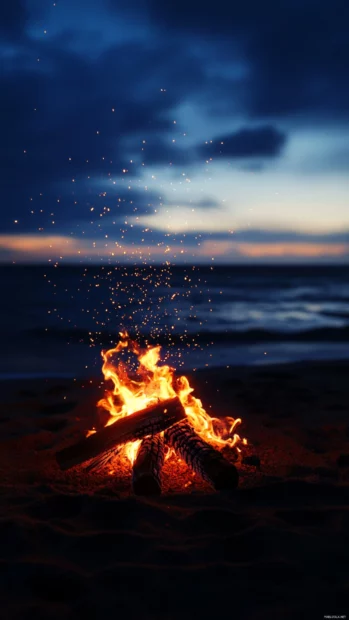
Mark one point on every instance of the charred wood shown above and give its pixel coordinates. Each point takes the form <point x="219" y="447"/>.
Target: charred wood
<point x="146" y="474"/>
<point x="201" y="457"/>
<point x="102" y="460"/>
<point x="138" y="425"/>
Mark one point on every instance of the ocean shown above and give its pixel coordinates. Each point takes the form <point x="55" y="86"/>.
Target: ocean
<point x="55" y="321"/>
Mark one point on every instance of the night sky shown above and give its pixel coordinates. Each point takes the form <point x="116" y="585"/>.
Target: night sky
<point x="149" y="130"/>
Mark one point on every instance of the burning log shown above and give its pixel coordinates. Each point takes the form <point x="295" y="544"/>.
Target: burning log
<point x="146" y="475"/>
<point x="102" y="460"/>
<point x="201" y="457"/>
<point x="148" y="421"/>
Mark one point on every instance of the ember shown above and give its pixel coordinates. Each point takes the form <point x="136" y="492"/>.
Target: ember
<point x="152" y="414"/>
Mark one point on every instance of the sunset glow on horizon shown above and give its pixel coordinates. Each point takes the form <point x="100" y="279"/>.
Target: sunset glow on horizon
<point x="60" y="249"/>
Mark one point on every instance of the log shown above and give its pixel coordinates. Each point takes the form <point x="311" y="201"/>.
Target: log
<point x="146" y="473"/>
<point x="148" y="421"/>
<point x="102" y="460"/>
<point x="209" y="463"/>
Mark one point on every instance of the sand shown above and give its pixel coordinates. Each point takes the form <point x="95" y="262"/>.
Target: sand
<point x="77" y="545"/>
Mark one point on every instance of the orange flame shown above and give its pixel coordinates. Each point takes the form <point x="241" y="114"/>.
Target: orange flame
<point x="151" y="384"/>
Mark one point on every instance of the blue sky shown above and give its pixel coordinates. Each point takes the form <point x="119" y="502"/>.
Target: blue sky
<point x="179" y="131"/>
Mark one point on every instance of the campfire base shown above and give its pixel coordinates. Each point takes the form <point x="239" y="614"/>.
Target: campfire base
<point x="146" y="475"/>
<point x="102" y="460"/>
<point x="201" y="457"/>
<point x="149" y="421"/>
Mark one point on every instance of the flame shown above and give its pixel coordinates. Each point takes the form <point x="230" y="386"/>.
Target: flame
<point x="154" y="382"/>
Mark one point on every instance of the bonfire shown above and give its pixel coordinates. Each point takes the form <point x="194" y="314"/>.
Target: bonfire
<point x="153" y="415"/>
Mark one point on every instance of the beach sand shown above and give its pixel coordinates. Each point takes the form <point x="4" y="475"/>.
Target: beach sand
<point x="78" y="545"/>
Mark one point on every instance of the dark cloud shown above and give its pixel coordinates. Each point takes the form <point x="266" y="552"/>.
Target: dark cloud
<point x="13" y="16"/>
<point x="66" y="110"/>
<point x="251" y="235"/>
<point x="205" y="203"/>
<point x="296" y="51"/>
<point x="66" y="123"/>
<point x="84" y="209"/>
<point x="309" y="70"/>
<point x="65" y="116"/>
<point x="266" y="141"/>
<point x="260" y="142"/>
<point x="157" y="151"/>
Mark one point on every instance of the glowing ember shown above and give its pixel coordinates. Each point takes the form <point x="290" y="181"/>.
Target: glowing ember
<point x="153" y="383"/>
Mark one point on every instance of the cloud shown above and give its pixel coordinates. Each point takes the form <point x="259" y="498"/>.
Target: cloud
<point x="185" y="219"/>
<point x="247" y="143"/>
<point x="288" y="237"/>
<point x="65" y="123"/>
<point x="67" y="118"/>
<point x="207" y="202"/>
<point x="66" y="110"/>
<point x="81" y="209"/>
<point x="158" y="151"/>
<point x="296" y="52"/>
<point x="13" y="16"/>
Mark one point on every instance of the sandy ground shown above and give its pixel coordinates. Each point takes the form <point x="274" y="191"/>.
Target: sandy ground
<point x="79" y="545"/>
